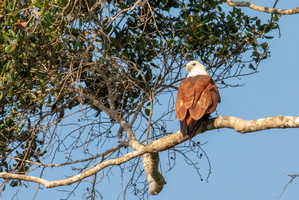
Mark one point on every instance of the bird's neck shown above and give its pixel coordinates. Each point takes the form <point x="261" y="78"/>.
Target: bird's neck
<point x="197" y="71"/>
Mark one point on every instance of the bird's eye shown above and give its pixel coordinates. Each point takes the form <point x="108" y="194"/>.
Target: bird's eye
<point x="193" y="64"/>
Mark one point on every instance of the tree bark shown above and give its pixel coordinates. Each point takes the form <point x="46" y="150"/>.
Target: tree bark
<point x="150" y="151"/>
<point x="154" y="177"/>
<point x="263" y="9"/>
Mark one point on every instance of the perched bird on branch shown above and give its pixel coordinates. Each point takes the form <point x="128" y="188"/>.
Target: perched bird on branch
<point x="198" y="97"/>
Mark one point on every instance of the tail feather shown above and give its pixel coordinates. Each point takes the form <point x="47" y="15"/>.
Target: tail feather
<point x="193" y="126"/>
<point x="184" y="128"/>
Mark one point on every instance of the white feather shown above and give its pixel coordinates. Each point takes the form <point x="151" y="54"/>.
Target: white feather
<point x="196" y="68"/>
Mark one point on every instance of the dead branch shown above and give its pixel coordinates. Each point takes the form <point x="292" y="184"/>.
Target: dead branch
<point x="263" y="9"/>
<point x="78" y="177"/>
<point x="164" y="143"/>
<point x="109" y="151"/>
<point x="247" y="126"/>
<point x="155" y="179"/>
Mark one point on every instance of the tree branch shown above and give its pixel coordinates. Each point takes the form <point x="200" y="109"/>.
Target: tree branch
<point x="263" y="9"/>
<point x="109" y="151"/>
<point x="133" y="142"/>
<point x="247" y="126"/>
<point x="154" y="178"/>
<point x="167" y="142"/>
<point x="150" y="161"/>
<point x="76" y="178"/>
<point x="138" y="3"/>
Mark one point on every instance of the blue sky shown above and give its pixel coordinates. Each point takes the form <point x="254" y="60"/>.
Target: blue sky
<point x="244" y="167"/>
<point x="251" y="166"/>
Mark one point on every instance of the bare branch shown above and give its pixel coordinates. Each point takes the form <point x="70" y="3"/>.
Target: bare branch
<point x="113" y="114"/>
<point x="138" y="3"/>
<point x="247" y="126"/>
<point x="263" y="9"/>
<point x="293" y="176"/>
<point x="73" y="179"/>
<point x="154" y="177"/>
<point x="164" y="143"/>
<point x="108" y="152"/>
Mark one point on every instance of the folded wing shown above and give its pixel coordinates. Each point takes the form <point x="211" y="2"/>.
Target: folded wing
<point x="198" y="96"/>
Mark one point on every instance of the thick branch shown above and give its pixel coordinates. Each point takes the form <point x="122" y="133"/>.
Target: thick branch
<point x="247" y="126"/>
<point x="263" y="9"/>
<point x="154" y="178"/>
<point x="150" y="162"/>
<point x="167" y="142"/>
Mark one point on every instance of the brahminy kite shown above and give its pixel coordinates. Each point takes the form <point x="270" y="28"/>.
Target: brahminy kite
<point x="198" y="97"/>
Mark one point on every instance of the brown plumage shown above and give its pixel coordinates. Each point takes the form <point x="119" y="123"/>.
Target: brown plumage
<point x="198" y="97"/>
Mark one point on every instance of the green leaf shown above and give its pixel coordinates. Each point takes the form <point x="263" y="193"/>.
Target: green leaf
<point x="12" y="32"/>
<point x="6" y="37"/>
<point x="264" y="45"/>
<point x="10" y="48"/>
<point x="251" y="66"/>
<point x="147" y="112"/>
<point x="14" y="183"/>
<point x="33" y="96"/>
<point x="49" y="102"/>
<point x="38" y="4"/>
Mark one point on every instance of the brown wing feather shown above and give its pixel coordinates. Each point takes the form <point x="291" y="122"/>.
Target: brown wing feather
<point x="197" y="97"/>
<point x="188" y="94"/>
<point x="215" y="97"/>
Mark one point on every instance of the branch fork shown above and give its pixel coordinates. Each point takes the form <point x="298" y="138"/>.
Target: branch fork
<point x="150" y="151"/>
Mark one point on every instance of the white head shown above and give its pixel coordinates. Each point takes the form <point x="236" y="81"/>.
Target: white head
<point x="196" y="68"/>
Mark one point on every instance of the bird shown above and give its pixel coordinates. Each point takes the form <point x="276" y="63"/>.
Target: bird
<point x="198" y="97"/>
